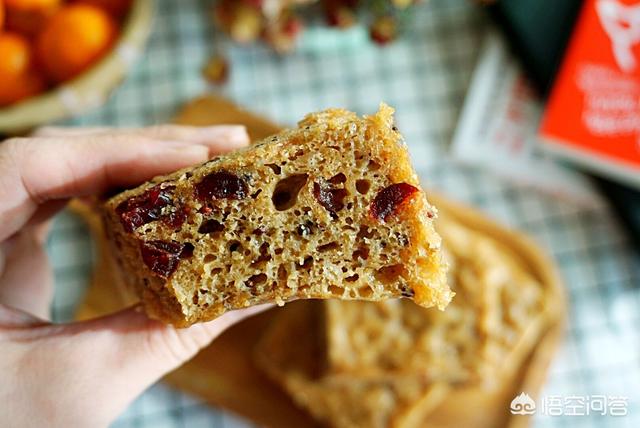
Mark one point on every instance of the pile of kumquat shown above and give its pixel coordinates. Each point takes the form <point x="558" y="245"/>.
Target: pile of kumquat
<point x="46" y="42"/>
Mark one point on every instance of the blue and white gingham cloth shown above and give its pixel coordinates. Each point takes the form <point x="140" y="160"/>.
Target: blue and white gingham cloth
<point x="425" y="76"/>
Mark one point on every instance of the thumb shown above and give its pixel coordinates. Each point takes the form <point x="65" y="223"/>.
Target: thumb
<point x="102" y="365"/>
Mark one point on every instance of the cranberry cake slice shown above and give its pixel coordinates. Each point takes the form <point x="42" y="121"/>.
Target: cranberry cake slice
<point x="330" y="209"/>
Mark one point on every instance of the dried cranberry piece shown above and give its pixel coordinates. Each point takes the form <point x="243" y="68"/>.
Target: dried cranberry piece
<point x="221" y="185"/>
<point x="150" y="206"/>
<point x="177" y="217"/>
<point x="144" y="208"/>
<point x="161" y="257"/>
<point x="211" y="226"/>
<point x="389" y="200"/>
<point x="330" y="198"/>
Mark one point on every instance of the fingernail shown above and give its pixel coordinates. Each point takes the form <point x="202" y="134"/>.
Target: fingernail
<point x="233" y="135"/>
<point x="191" y="150"/>
<point x="174" y="144"/>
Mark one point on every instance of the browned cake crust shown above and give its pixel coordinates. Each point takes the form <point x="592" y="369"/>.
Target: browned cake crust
<point x="331" y="208"/>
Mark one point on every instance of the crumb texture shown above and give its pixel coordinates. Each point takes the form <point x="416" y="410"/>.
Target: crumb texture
<point x="331" y="208"/>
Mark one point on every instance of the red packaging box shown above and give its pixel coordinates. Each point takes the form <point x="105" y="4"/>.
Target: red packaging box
<point x="593" y="113"/>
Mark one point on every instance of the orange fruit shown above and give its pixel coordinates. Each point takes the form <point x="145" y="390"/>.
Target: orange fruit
<point x="1" y="14"/>
<point x="15" y="56"/>
<point x="74" y="39"/>
<point x="20" y="87"/>
<point x="32" y="4"/>
<point x="28" y="16"/>
<point x="117" y="8"/>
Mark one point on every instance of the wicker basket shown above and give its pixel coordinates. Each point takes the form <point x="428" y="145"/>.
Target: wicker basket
<point x="91" y="88"/>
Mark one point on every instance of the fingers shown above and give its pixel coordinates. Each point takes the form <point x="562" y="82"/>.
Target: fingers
<point x="113" y="359"/>
<point x="76" y="162"/>
<point x="219" y="138"/>
<point x="26" y="283"/>
<point x="36" y="171"/>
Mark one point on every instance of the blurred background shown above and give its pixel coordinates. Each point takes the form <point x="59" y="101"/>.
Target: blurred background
<point x="511" y="108"/>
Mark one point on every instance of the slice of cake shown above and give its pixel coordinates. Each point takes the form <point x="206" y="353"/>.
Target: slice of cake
<point x="330" y="209"/>
<point x="491" y="325"/>
<point x="338" y="400"/>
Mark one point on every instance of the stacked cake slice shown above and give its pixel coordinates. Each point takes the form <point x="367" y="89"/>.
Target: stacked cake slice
<point x="390" y="364"/>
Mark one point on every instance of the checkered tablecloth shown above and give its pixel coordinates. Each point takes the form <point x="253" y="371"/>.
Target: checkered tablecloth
<point x="425" y="76"/>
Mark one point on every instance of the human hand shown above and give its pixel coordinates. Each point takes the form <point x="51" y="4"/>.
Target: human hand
<point x="84" y="374"/>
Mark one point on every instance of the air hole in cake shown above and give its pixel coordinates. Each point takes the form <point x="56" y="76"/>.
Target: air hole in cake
<point x="364" y="232"/>
<point x="278" y="251"/>
<point x="209" y="258"/>
<point x="352" y="278"/>
<point x="216" y="271"/>
<point x="338" y="179"/>
<point x="348" y="220"/>
<point x="255" y="195"/>
<point x="361" y="253"/>
<point x="285" y="194"/>
<point x="403" y="240"/>
<point x="275" y="168"/>
<point x="264" y="249"/>
<point x="187" y="250"/>
<point x="306" y="228"/>
<point x="196" y="298"/>
<point x="363" y="186"/>
<point x="389" y="274"/>
<point x="328" y="247"/>
<point x="235" y="246"/>
<point x="283" y="274"/>
<point x="373" y="165"/>
<point x="336" y="291"/>
<point x="308" y="262"/>
<point x="405" y="290"/>
<point x="365" y="292"/>
<point x="211" y="226"/>
<point x="256" y="280"/>
<point x="263" y="258"/>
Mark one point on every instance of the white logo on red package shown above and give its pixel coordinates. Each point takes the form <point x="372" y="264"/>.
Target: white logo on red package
<point x="622" y="25"/>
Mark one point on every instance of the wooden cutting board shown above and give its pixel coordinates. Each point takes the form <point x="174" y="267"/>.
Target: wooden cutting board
<point x="224" y="373"/>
